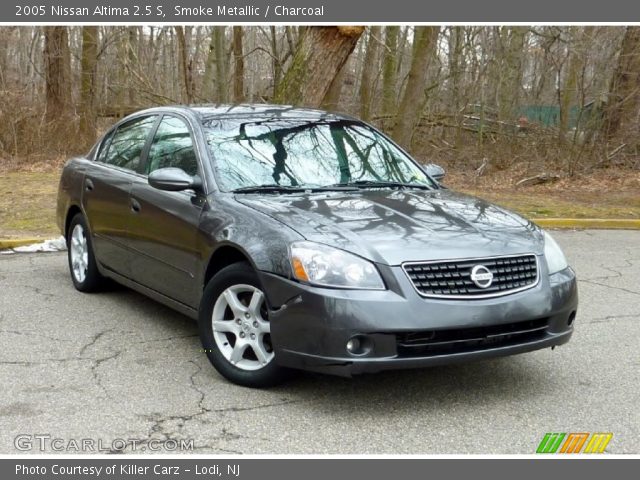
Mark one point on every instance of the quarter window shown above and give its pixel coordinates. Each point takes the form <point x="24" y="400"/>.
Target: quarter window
<point x="172" y="147"/>
<point x="127" y="143"/>
<point x="104" y="147"/>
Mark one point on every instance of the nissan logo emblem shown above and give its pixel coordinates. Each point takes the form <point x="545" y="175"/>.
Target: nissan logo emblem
<point x="481" y="276"/>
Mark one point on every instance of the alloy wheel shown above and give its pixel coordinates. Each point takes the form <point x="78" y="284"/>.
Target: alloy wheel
<point x="79" y="253"/>
<point x="241" y="328"/>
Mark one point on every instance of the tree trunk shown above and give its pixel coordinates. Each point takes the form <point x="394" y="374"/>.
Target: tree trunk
<point x="624" y="92"/>
<point x="368" y="70"/>
<point x="568" y="93"/>
<point x="5" y="38"/>
<point x="510" y="47"/>
<point x="185" y="65"/>
<point x="132" y="46"/>
<point x="332" y="97"/>
<point x="456" y="69"/>
<point x="221" y="63"/>
<point x="276" y="64"/>
<point x="321" y="54"/>
<point x="207" y="88"/>
<point x="425" y="41"/>
<point x="57" y="60"/>
<point x="88" y="63"/>
<point x="389" y="71"/>
<point x="238" y="70"/>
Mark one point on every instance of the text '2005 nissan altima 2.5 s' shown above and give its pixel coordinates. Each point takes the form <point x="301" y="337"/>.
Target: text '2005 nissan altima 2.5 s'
<point x="305" y="239"/>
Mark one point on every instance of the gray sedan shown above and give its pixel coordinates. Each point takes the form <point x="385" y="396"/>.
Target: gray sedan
<point x="302" y="239"/>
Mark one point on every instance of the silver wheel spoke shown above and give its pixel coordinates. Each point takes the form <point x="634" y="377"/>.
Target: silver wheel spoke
<point x="238" y="351"/>
<point x="264" y="327"/>
<point x="261" y="353"/>
<point x="256" y="303"/>
<point x="234" y="303"/>
<point x="225" y="326"/>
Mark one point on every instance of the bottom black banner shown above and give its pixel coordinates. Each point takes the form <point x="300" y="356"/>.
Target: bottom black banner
<point x="314" y="468"/>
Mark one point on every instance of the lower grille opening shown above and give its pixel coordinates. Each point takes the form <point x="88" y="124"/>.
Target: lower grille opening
<point x="441" y="342"/>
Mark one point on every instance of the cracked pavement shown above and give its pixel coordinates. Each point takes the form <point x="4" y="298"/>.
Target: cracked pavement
<point x="117" y="365"/>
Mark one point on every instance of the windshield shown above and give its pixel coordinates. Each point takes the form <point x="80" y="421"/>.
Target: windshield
<point x="307" y="154"/>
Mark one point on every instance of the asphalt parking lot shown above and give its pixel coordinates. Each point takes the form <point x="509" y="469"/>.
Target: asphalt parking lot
<point x="117" y="365"/>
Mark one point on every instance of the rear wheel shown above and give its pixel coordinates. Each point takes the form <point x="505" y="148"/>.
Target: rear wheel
<point x="235" y="329"/>
<point x="82" y="263"/>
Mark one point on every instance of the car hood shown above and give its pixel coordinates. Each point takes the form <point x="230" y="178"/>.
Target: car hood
<point x="395" y="226"/>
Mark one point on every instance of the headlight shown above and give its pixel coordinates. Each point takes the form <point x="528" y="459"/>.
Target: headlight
<point x="556" y="260"/>
<point x="325" y="266"/>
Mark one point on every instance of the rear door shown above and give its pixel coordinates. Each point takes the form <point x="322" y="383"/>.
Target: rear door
<point x="163" y="230"/>
<point x="107" y="186"/>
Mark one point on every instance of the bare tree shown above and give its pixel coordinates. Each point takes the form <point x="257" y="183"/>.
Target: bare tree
<point x="320" y="55"/>
<point x="221" y="63"/>
<point x="368" y="70"/>
<point x="186" y="65"/>
<point x="424" y="46"/>
<point x="389" y="70"/>
<point x="624" y="92"/>
<point x="57" y="58"/>
<point x="89" y="62"/>
<point x="238" y="70"/>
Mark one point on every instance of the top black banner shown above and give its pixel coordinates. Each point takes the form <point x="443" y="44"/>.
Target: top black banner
<point x="317" y="11"/>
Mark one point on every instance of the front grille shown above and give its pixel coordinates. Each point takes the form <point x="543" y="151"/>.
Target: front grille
<point x="452" y="278"/>
<point x="441" y="342"/>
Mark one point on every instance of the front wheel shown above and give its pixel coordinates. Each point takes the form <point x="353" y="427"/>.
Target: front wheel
<point x="235" y="329"/>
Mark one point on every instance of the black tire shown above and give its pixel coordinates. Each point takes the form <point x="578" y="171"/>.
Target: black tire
<point x="92" y="281"/>
<point x="237" y="275"/>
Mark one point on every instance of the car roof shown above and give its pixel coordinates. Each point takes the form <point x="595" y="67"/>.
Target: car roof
<point x="208" y="112"/>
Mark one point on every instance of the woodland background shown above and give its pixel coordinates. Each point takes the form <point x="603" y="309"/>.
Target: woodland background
<point x="498" y="106"/>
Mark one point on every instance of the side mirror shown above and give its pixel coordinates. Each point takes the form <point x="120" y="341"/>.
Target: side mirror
<point x="435" y="171"/>
<point x="173" y="180"/>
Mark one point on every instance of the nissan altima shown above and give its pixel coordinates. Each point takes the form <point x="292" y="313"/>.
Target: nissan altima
<point x="302" y="239"/>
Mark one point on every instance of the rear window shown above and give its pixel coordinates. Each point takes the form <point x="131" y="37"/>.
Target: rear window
<point x="126" y="145"/>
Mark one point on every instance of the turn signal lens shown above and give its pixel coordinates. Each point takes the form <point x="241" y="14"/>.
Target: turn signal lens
<point x="299" y="271"/>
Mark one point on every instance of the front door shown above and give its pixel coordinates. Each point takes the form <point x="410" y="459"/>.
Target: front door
<point x="163" y="229"/>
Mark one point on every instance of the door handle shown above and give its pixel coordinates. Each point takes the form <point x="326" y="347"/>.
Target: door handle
<point x="135" y="205"/>
<point x="88" y="184"/>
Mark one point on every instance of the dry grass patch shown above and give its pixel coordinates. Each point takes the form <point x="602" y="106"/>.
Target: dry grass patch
<point x="28" y="197"/>
<point x="28" y="204"/>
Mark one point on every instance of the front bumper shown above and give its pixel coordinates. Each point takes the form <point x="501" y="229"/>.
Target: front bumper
<point x="311" y="326"/>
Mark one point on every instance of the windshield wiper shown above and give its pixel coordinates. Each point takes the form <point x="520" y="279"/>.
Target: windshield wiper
<point x="380" y="184"/>
<point x="274" y="188"/>
<point x="269" y="188"/>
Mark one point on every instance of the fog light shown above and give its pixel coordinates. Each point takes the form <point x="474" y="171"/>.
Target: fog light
<point x="353" y="345"/>
<point x="359" y="345"/>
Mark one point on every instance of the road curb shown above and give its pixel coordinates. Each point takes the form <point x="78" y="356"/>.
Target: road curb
<point x="595" y="223"/>
<point x="18" y="242"/>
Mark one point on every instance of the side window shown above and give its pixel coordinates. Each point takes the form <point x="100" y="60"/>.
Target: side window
<point x="172" y="147"/>
<point x="127" y="143"/>
<point x="104" y="147"/>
